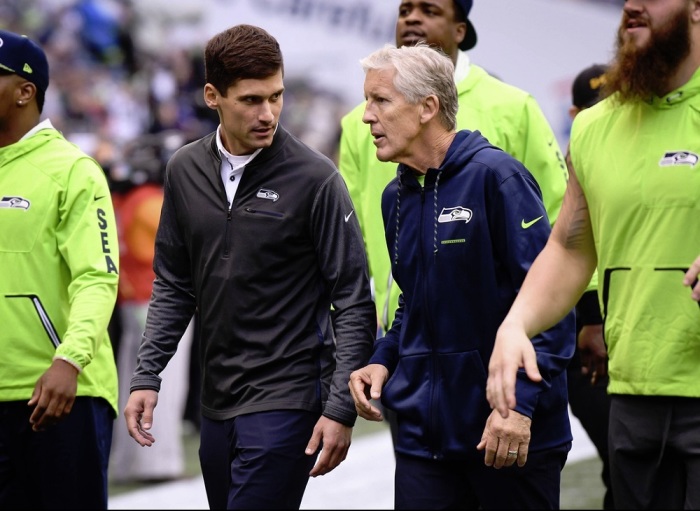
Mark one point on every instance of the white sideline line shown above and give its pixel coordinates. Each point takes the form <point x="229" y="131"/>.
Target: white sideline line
<point x="365" y="480"/>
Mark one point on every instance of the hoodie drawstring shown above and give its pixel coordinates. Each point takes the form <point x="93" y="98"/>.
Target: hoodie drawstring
<point x="435" y="214"/>
<point x="398" y="211"/>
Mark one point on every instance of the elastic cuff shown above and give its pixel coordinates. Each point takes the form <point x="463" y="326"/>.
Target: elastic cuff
<point x="75" y="365"/>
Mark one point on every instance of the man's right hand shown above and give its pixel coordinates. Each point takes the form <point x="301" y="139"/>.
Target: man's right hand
<point x="366" y="384"/>
<point x="54" y="395"/>
<point x="139" y="415"/>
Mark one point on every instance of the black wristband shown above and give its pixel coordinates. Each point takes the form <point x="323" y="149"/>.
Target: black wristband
<point x="588" y="310"/>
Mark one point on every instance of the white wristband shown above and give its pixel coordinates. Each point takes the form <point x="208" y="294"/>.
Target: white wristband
<point x="75" y="365"/>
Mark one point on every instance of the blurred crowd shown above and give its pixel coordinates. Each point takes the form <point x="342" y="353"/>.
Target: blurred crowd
<point x="107" y="91"/>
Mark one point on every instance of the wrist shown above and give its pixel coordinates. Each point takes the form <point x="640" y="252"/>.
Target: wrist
<point x="70" y="362"/>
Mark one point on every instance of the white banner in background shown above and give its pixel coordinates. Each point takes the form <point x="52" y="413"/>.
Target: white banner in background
<point x="322" y="40"/>
<point x="537" y="45"/>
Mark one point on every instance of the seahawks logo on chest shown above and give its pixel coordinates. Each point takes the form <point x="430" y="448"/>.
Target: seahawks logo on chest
<point x="674" y="158"/>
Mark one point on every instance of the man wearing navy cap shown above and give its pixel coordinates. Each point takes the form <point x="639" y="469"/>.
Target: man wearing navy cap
<point x="59" y="259"/>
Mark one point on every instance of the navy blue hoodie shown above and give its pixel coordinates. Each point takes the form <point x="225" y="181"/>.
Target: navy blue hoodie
<point x="460" y="249"/>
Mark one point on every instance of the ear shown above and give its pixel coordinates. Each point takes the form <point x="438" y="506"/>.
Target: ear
<point x="24" y="92"/>
<point x="211" y="96"/>
<point x="429" y="108"/>
<point x="695" y="11"/>
<point x="460" y="32"/>
<point x="573" y="111"/>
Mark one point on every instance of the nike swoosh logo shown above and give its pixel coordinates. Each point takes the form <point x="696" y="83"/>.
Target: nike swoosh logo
<point x="347" y="217"/>
<point x="527" y="225"/>
<point x="100" y="197"/>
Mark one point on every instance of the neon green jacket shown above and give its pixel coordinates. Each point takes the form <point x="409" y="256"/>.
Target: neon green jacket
<point x="639" y="167"/>
<point x="507" y="116"/>
<point x="59" y="257"/>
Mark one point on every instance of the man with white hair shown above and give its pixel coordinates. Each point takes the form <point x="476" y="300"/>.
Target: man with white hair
<point x="464" y="220"/>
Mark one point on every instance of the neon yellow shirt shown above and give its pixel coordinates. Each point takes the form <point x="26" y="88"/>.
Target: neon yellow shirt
<point x="507" y="116"/>
<point x="638" y="167"/>
<point x="59" y="257"/>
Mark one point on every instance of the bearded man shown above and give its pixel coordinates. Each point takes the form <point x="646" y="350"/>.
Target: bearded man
<point x="631" y="210"/>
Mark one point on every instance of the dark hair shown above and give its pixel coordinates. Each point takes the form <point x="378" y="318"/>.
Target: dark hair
<point x="241" y="52"/>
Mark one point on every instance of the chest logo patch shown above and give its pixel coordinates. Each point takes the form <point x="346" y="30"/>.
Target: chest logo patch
<point x="14" y="202"/>
<point x="672" y="158"/>
<point x="264" y="193"/>
<point x="456" y="214"/>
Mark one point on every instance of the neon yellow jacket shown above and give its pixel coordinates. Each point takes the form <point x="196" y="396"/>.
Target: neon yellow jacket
<point x="507" y="116"/>
<point x="639" y="167"/>
<point x="59" y="257"/>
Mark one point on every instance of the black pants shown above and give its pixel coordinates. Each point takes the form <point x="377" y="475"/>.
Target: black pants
<point x="655" y="452"/>
<point x="257" y="461"/>
<point x="422" y="483"/>
<point x="63" y="467"/>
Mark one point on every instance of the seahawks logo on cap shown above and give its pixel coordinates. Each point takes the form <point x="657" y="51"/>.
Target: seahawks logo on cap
<point x="672" y="158"/>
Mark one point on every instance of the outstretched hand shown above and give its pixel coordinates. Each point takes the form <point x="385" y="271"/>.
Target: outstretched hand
<point x="511" y="351"/>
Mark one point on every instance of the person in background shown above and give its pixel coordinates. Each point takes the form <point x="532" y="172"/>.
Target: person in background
<point x="587" y="374"/>
<point x="631" y="211"/>
<point x="508" y="117"/>
<point x="464" y="220"/>
<point x="60" y="259"/>
<point x="258" y="234"/>
<point x="138" y="213"/>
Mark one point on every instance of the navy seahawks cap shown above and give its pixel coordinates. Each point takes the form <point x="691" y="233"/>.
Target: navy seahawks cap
<point x="469" y="40"/>
<point x="23" y="57"/>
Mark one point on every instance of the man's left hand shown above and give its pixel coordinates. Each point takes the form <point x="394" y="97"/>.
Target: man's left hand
<point x="505" y="441"/>
<point x="335" y="438"/>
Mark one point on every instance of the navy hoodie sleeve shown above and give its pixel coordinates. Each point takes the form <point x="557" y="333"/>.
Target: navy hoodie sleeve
<point x="520" y="229"/>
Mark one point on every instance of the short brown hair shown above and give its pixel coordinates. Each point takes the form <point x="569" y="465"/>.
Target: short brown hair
<point x="241" y="52"/>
